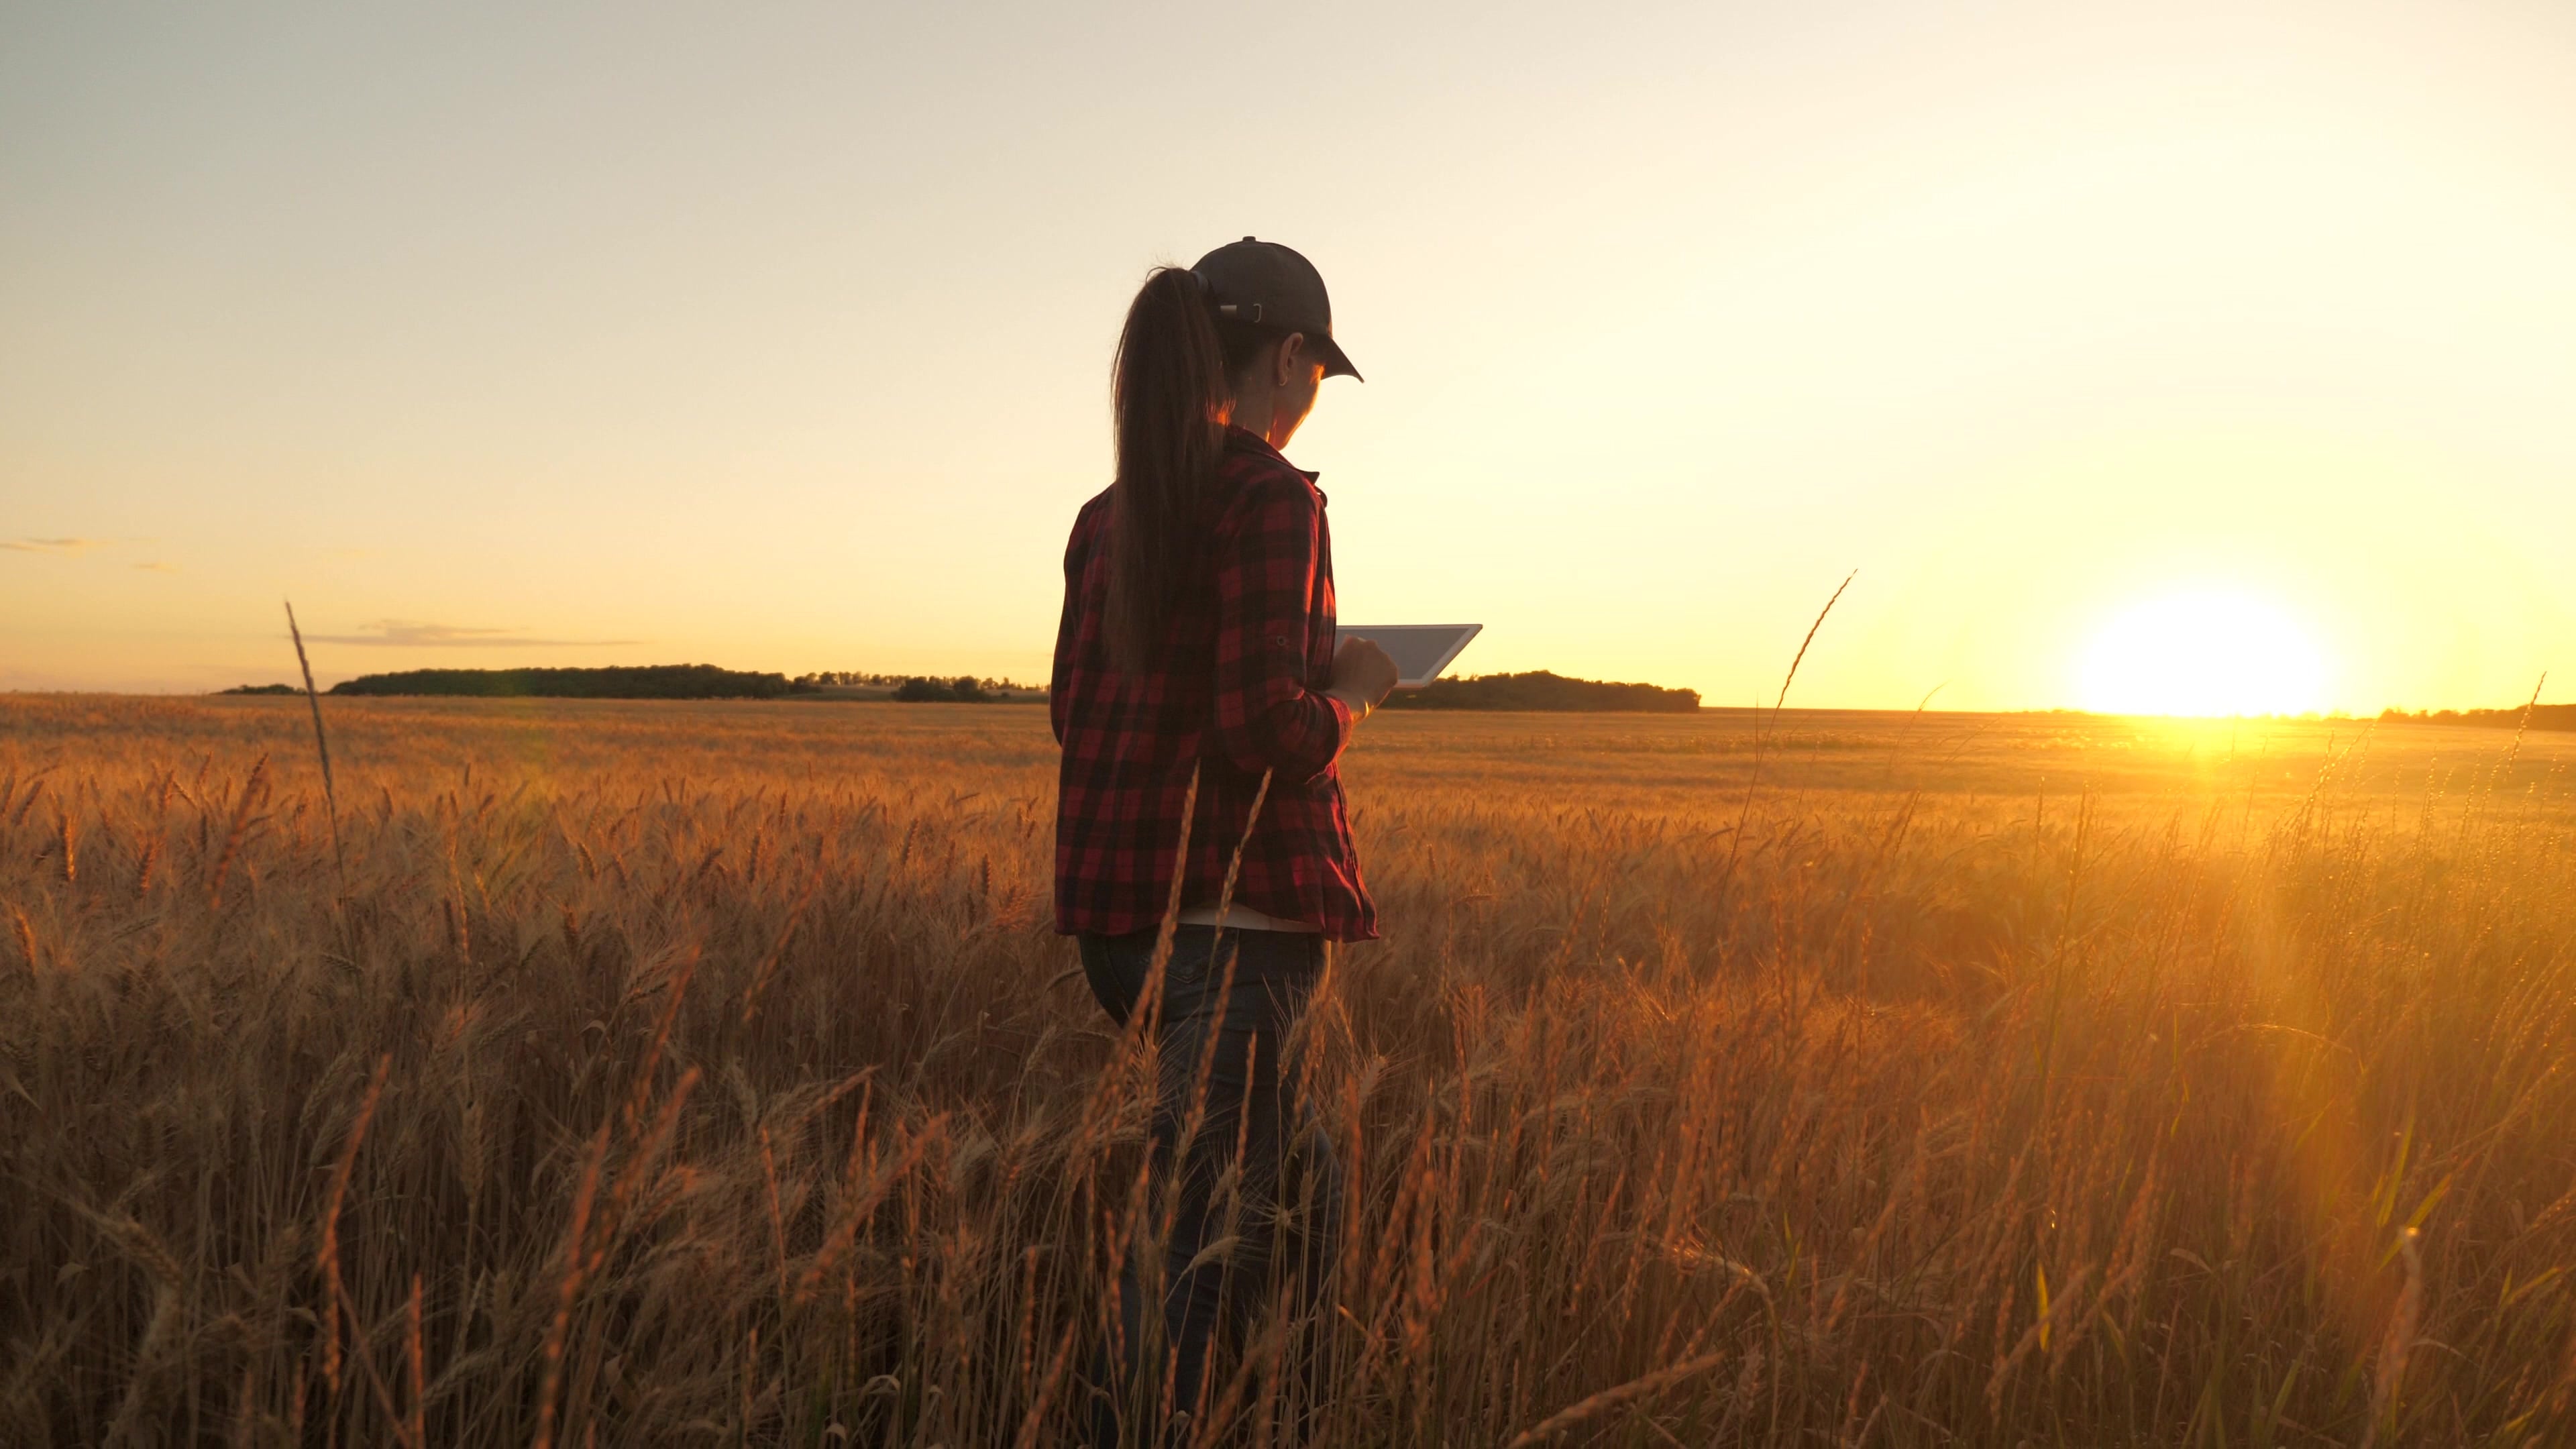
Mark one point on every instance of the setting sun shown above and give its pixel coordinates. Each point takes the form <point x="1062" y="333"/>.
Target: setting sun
<point x="2205" y="652"/>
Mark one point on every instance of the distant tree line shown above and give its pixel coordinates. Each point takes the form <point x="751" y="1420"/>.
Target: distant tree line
<point x="845" y="679"/>
<point x="658" y="681"/>
<point x="964" y="689"/>
<point x="2543" y="717"/>
<point x="852" y="679"/>
<point x="1541" y="690"/>
<point x="618" y="681"/>
<point x="1536" y="690"/>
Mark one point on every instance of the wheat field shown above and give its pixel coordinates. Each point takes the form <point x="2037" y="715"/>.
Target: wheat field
<point x="710" y="1074"/>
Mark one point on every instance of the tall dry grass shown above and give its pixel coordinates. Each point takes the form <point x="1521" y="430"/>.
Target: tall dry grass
<point x="711" y="1075"/>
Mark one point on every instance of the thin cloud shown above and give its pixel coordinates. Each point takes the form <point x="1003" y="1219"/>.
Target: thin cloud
<point x="412" y="634"/>
<point x="67" y="546"/>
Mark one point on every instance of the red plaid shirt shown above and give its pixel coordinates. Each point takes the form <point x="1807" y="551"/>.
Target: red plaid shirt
<point x="1233" y="690"/>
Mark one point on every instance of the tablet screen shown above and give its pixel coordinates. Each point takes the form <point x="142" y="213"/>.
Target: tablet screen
<point x="1420" y="651"/>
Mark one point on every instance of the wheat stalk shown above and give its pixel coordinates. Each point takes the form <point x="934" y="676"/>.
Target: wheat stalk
<point x="1753" y="781"/>
<point x="322" y="747"/>
<point x="1637" y="1388"/>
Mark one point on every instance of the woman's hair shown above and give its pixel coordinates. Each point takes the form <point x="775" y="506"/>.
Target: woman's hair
<point x="1171" y="385"/>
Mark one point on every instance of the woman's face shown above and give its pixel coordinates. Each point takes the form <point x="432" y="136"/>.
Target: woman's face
<point x="1295" y="375"/>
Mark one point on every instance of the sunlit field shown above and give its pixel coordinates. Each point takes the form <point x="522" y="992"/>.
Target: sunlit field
<point x="645" y="1074"/>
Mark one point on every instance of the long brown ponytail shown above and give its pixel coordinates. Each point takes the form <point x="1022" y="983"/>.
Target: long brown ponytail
<point x="1171" y="386"/>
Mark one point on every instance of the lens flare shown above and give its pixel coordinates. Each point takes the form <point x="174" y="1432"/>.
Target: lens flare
<point x="2203" y="652"/>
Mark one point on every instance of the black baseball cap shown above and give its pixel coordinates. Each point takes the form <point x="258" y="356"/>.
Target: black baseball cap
<point x="1265" y="283"/>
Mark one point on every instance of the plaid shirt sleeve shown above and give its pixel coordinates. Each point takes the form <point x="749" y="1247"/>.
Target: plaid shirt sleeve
<point x="1267" y="718"/>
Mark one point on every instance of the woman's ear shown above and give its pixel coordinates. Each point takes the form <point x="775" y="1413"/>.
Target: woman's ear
<point x="1285" y="362"/>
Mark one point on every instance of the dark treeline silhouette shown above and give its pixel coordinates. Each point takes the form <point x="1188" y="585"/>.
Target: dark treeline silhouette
<point x="914" y="687"/>
<point x="665" y="681"/>
<point x="1541" y="690"/>
<point x="846" y="679"/>
<point x="966" y="689"/>
<point x="1536" y="690"/>
<point x="2543" y="717"/>
<point x="619" y="681"/>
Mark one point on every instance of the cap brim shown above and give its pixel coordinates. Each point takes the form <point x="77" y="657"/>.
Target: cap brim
<point x="1337" y="363"/>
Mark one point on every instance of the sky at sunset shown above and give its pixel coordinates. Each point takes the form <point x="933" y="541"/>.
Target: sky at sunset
<point x="778" y="337"/>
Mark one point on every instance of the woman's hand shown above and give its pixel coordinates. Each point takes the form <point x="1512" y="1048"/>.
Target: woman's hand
<point x="1363" y="675"/>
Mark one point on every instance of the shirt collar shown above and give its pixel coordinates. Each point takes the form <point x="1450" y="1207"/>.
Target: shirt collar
<point x="1245" y="440"/>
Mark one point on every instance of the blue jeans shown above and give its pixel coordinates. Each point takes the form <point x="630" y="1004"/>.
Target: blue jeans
<point x="1234" y="1035"/>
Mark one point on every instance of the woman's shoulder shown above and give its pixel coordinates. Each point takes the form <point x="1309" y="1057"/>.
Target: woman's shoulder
<point x="1093" y="516"/>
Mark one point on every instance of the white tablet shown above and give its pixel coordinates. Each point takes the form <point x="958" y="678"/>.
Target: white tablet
<point x="1420" y="651"/>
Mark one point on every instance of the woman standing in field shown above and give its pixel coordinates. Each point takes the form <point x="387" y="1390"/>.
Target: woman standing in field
<point x="1202" y="704"/>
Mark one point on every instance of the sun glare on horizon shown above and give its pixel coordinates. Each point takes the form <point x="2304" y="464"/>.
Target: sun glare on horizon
<point x="2204" y="652"/>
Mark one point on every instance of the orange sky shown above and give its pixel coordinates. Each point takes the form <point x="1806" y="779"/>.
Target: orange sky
<point x="520" y="335"/>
